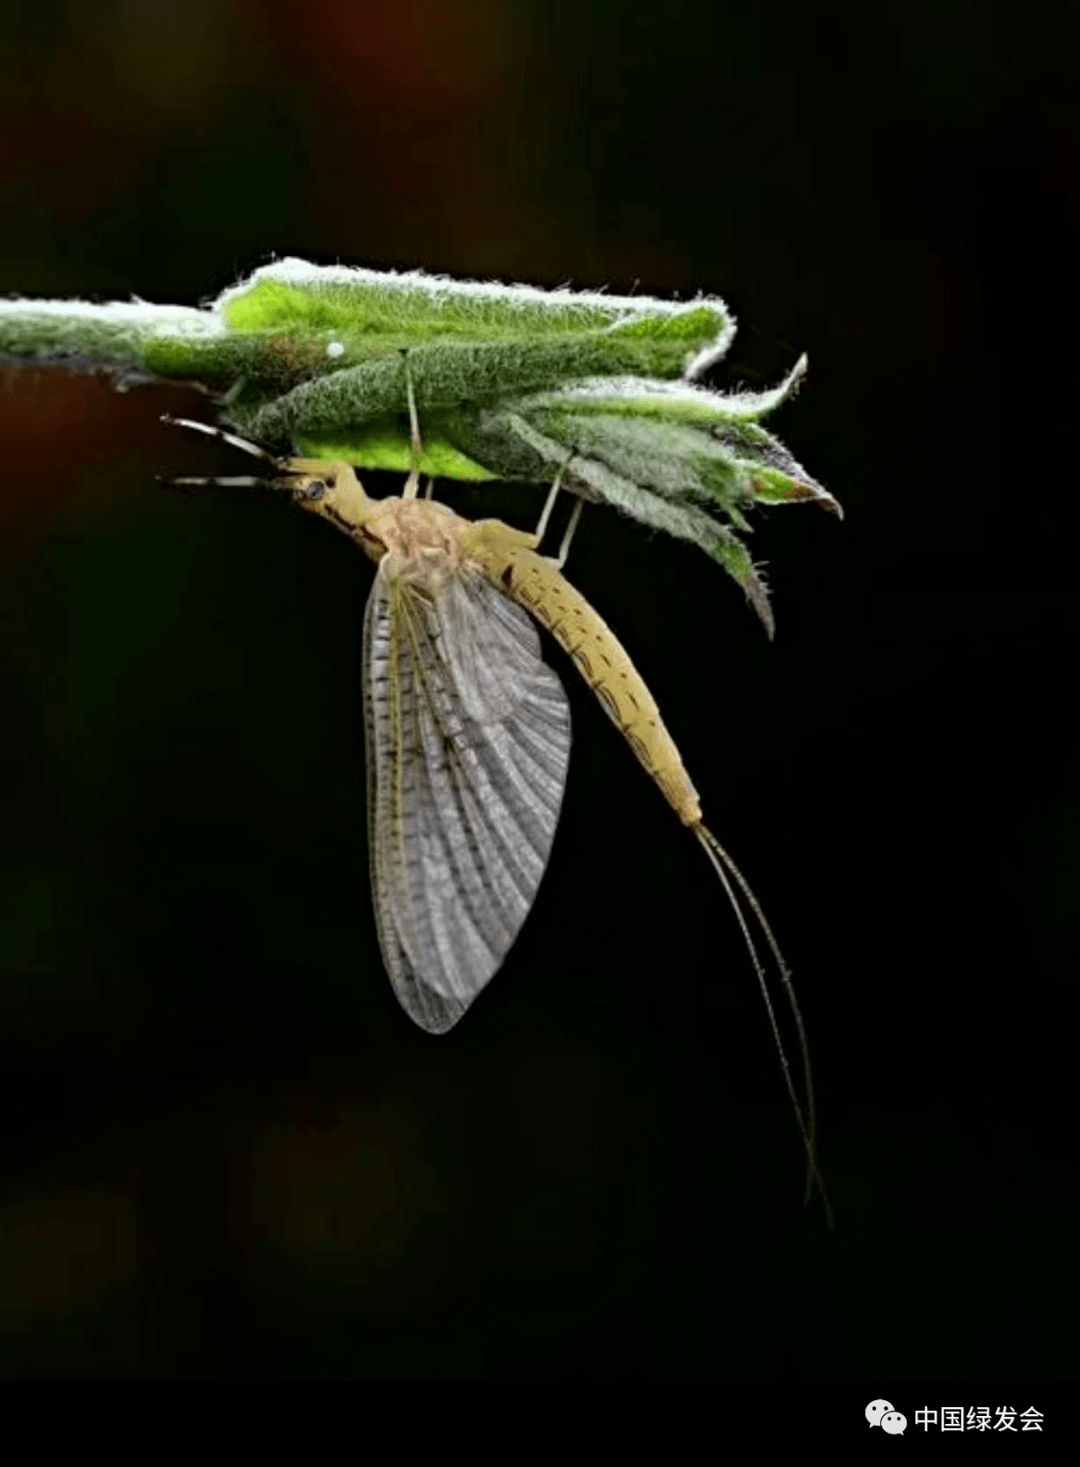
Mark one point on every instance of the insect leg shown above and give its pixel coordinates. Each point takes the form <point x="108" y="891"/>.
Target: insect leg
<point x="549" y="504"/>
<point x="228" y="481"/>
<point x="564" y="548"/>
<point x="212" y="432"/>
<point x="430" y="486"/>
<point x="412" y="483"/>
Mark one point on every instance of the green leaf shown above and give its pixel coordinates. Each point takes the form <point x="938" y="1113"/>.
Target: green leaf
<point x="510" y="382"/>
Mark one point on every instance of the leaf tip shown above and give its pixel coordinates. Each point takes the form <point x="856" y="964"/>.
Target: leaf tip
<point x="820" y="496"/>
<point x="758" y="597"/>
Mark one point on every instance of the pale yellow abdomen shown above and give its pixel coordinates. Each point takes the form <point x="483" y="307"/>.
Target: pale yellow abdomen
<point x="538" y="586"/>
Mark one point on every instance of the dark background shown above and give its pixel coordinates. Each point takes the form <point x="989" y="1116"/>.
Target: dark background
<point x="226" y="1151"/>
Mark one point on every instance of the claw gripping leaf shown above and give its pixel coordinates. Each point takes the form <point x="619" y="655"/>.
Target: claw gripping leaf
<point x="511" y="382"/>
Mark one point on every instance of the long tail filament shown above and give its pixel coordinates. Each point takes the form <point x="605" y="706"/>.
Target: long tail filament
<point x="723" y="865"/>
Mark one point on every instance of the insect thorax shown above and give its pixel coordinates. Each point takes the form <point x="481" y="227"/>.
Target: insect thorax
<point x="409" y="527"/>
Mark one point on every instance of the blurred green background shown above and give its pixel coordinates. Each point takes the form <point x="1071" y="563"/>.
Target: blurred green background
<point x="226" y="1152"/>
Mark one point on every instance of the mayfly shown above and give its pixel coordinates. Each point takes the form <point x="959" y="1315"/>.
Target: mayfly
<point x="468" y="733"/>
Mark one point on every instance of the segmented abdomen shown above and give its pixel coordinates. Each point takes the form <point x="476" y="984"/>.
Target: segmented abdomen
<point x="604" y="664"/>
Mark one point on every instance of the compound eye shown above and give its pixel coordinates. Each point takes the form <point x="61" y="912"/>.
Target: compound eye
<point x="310" y="492"/>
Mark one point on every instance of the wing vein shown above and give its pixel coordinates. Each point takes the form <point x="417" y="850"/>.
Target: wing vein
<point x="468" y="735"/>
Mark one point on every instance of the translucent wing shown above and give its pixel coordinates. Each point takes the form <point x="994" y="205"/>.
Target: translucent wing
<point x="468" y="741"/>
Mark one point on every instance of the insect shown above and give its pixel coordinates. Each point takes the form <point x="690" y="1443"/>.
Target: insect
<point x="468" y="734"/>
